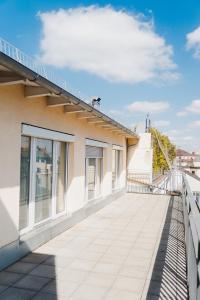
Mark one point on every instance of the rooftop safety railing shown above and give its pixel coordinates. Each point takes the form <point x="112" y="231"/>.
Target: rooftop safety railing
<point x="192" y="238"/>
<point x="31" y="63"/>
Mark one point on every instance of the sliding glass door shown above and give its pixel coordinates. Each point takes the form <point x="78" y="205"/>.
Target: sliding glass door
<point x="42" y="180"/>
<point x="24" y="182"/>
<point x="60" y="176"/>
<point x="91" y="177"/>
<point x="43" y="185"/>
<point x="116" y="168"/>
<point x="94" y="156"/>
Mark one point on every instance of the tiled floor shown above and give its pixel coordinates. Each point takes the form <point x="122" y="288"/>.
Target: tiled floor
<point x="107" y="256"/>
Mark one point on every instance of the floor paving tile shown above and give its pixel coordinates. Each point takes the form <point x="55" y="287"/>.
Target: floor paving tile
<point x="115" y="294"/>
<point x="16" y="294"/>
<point x="82" y="264"/>
<point x="21" y="267"/>
<point x="90" y="255"/>
<point x="98" y="279"/>
<point x="32" y="282"/>
<point x="45" y="271"/>
<point x="8" y="278"/>
<point x="3" y="287"/>
<point x="63" y="288"/>
<point x="89" y="292"/>
<point x="133" y="271"/>
<point x="134" y="285"/>
<point x="35" y="258"/>
<point x="73" y="275"/>
<point x="106" y="268"/>
<point x="47" y="296"/>
<point x="110" y="258"/>
<point x="58" y="261"/>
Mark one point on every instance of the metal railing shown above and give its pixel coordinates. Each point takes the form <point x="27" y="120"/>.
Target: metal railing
<point x="145" y="177"/>
<point x="197" y="197"/>
<point x="30" y="62"/>
<point x="192" y="239"/>
<point x="141" y="183"/>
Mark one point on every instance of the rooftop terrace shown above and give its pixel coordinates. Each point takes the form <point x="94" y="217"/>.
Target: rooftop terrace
<point x="130" y="249"/>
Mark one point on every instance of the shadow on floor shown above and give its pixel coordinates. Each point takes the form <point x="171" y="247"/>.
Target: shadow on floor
<point x="32" y="277"/>
<point x="169" y="279"/>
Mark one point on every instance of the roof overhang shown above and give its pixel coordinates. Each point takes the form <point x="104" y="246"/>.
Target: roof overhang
<point x="13" y="72"/>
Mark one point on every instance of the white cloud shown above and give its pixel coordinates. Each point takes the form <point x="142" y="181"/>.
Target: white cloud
<point x="148" y="106"/>
<point x="162" y="123"/>
<point x="193" y="42"/>
<point x="182" y="113"/>
<point x="194" y="107"/>
<point x="195" y="124"/>
<point x="112" y="44"/>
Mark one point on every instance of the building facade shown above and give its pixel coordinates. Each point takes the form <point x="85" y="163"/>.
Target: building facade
<point x="188" y="161"/>
<point x="60" y="159"/>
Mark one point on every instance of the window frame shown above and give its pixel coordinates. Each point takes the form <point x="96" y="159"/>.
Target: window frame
<point x="118" y="168"/>
<point x="32" y="184"/>
<point x="96" y="193"/>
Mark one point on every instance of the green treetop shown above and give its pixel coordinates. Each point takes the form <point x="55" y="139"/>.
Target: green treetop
<point x="159" y="161"/>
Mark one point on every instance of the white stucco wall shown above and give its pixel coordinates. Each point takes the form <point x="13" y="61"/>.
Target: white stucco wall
<point x="15" y="110"/>
<point x="140" y="156"/>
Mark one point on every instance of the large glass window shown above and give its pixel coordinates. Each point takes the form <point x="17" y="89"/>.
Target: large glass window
<point x="116" y="168"/>
<point x="61" y="177"/>
<point x="24" y="182"/>
<point x="42" y="180"/>
<point x="91" y="177"/>
<point x="43" y="186"/>
<point x="98" y="176"/>
<point x="94" y="157"/>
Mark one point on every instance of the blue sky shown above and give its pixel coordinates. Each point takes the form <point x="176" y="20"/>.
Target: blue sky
<point x="126" y="95"/>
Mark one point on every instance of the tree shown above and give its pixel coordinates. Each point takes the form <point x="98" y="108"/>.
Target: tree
<point x="159" y="161"/>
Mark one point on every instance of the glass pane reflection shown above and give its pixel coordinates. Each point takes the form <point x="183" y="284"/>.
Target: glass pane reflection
<point x="91" y="177"/>
<point x="43" y="188"/>
<point x="24" y="182"/>
<point x="61" y="166"/>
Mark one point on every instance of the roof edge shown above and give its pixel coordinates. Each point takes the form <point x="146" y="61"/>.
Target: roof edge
<point x="31" y="75"/>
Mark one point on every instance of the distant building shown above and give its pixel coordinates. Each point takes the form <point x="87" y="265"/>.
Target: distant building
<point x="188" y="161"/>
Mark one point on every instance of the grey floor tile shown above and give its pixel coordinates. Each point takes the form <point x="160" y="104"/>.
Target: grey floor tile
<point x="44" y="271"/>
<point x="21" y="267"/>
<point x="2" y="288"/>
<point x="8" y="278"/>
<point x="32" y="282"/>
<point x="16" y="294"/>
<point x="47" y="296"/>
<point x="35" y="258"/>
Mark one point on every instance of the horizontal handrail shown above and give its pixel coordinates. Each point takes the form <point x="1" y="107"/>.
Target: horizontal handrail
<point x="138" y="183"/>
<point x="192" y="239"/>
<point x="30" y="62"/>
